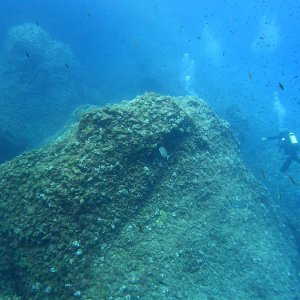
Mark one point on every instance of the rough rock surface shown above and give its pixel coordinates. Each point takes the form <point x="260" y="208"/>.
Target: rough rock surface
<point x="147" y="199"/>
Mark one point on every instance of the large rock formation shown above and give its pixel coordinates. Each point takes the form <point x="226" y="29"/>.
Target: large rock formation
<point x="143" y="200"/>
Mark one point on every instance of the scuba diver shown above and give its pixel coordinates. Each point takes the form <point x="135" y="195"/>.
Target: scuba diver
<point x="287" y="142"/>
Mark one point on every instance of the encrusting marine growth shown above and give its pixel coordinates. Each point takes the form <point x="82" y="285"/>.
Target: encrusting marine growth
<point x="100" y="213"/>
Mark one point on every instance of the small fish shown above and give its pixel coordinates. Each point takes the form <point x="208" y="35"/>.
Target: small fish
<point x="163" y="152"/>
<point x="37" y="23"/>
<point x="27" y="54"/>
<point x="67" y="66"/>
<point x="293" y="181"/>
<point x="250" y="75"/>
<point x="263" y="173"/>
<point x="281" y="86"/>
<point x="89" y="15"/>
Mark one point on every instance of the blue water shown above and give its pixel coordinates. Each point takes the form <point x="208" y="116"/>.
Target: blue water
<point x="141" y="43"/>
<point x="241" y="56"/>
<point x="230" y="53"/>
<point x="237" y="52"/>
<point x="132" y="46"/>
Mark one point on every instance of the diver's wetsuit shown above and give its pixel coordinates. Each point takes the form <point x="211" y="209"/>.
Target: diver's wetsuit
<point x="288" y="147"/>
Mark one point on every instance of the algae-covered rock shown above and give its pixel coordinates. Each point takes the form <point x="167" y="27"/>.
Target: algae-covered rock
<point x="147" y="199"/>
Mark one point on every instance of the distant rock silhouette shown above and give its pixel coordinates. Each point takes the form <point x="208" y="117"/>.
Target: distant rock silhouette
<point x="37" y="91"/>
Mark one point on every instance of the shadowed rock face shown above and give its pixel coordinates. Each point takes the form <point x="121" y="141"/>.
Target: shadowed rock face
<point x="101" y="214"/>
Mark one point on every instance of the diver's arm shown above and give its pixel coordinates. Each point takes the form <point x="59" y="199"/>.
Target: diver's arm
<point x="271" y="138"/>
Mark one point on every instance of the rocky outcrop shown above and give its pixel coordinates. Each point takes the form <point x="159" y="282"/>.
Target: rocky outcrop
<point x="147" y="199"/>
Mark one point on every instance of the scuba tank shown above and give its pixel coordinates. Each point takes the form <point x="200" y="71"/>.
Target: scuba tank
<point x="293" y="139"/>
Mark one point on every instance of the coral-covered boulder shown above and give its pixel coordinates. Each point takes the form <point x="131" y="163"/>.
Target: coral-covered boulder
<point x="147" y="199"/>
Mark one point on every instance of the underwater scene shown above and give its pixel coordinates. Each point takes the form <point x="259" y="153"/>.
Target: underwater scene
<point x="149" y="150"/>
